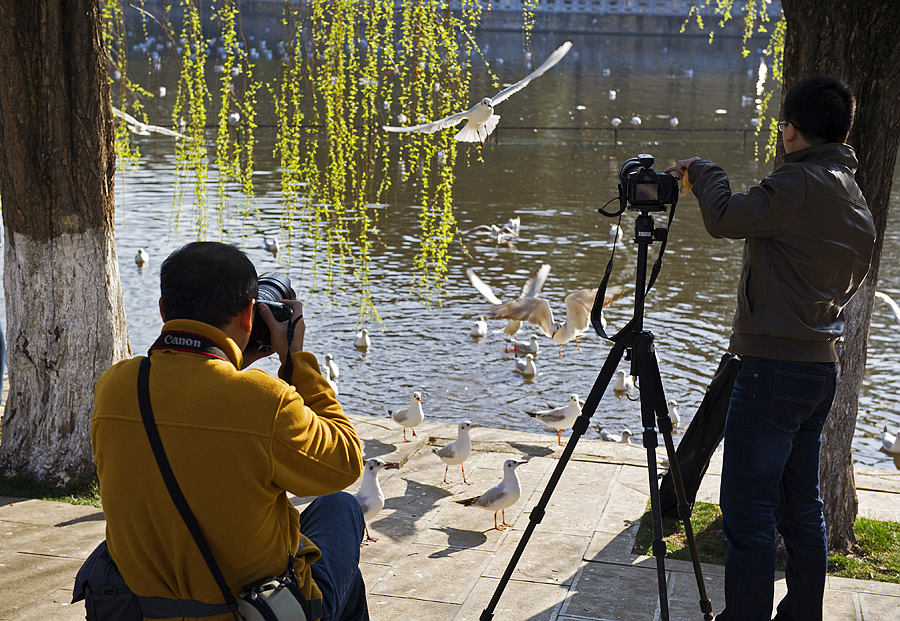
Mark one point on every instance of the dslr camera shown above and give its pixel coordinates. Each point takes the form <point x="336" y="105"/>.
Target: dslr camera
<point x="272" y="288"/>
<point x="641" y="188"/>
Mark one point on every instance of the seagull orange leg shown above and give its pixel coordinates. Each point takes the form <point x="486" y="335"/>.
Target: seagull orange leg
<point x="463" y="468"/>
<point x="445" y="473"/>
<point x="576" y="344"/>
<point x="414" y="433"/>
<point x="495" y="522"/>
<point x="559" y="436"/>
<point x="503" y="513"/>
<point x="404" y="435"/>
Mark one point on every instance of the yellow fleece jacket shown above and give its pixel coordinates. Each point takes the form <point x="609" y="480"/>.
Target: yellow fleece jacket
<point x="237" y="441"/>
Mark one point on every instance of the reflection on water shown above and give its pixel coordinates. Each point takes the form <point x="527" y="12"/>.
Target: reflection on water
<point x="554" y="179"/>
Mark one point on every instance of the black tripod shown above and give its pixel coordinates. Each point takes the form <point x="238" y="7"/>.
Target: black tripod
<point x="654" y="411"/>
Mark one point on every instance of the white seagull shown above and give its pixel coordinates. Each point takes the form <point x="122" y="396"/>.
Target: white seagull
<point x="410" y="416"/>
<point x="370" y="497"/>
<point x="332" y="366"/>
<point x="624" y="438"/>
<point x="142" y="257"/>
<point x="143" y="129"/>
<point x="458" y="451"/>
<point x="479" y="328"/>
<point x="496" y="232"/>
<point x="889" y="442"/>
<point x="886" y="299"/>
<point x="502" y="495"/>
<point x="362" y="342"/>
<point x="481" y="118"/>
<point x="673" y="413"/>
<point x="531" y="347"/>
<point x="530" y="289"/>
<point x="624" y="383"/>
<point x="560" y="418"/>
<point x="536" y="310"/>
<point x="271" y="245"/>
<point x="526" y="366"/>
<point x="326" y="373"/>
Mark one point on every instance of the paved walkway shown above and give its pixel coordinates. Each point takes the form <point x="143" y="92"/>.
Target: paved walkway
<point x="438" y="560"/>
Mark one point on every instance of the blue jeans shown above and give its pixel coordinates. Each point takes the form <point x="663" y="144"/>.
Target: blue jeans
<point x="770" y="479"/>
<point x="335" y="524"/>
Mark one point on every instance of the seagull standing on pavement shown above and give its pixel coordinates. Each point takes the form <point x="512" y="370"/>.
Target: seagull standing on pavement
<point x="560" y="418"/>
<point x="481" y="119"/>
<point x="501" y="496"/>
<point x="411" y="416"/>
<point x="458" y="451"/>
<point x="370" y="497"/>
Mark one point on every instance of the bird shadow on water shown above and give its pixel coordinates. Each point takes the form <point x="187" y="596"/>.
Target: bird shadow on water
<point x="457" y="540"/>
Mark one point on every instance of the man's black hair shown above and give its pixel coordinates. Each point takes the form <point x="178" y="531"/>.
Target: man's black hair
<point x="210" y="282"/>
<point x="821" y="108"/>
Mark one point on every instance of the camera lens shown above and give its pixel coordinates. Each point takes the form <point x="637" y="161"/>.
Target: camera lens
<point x="271" y="289"/>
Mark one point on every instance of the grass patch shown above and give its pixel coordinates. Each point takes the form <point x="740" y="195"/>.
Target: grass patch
<point x="83" y="493"/>
<point x="877" y="556"/>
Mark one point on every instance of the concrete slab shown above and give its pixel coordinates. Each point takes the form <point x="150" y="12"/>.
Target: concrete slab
<point x="548" y="557"/>
<point x="613" y="593"/>
<point x="520" y="600"/>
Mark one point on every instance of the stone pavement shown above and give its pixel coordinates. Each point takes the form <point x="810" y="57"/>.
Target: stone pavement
<point x="438" y="560"/>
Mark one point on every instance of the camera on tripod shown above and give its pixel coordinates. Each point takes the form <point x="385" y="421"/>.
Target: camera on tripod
<point x="641" y="188"/>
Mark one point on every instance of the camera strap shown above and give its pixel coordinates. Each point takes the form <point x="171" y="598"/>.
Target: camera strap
<point x="597" y="308"/>
<point x="179" y="340"/>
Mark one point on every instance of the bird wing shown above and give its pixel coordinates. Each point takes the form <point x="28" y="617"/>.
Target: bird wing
<point x="400" y="415"/>
<point x="532" y="286"/>
<point x="482" y="287"/>
<point x="433" y="126"/>
<point x="125" y="116"/>
<point x="552" y="416"/>
<point x="534" y="310"/>
<point x="143" y="127"/>
<point x="554" y="58"/>
<point x="578" y="308"/>
<point x="884" y="297"/>
<point x="613" y="293"/>
<point x="492" y="497"/>
<point x="446" y="451"/>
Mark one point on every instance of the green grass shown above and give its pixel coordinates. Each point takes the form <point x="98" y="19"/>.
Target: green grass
<point x="877" y="556"/>
<point x="81" y="493"/>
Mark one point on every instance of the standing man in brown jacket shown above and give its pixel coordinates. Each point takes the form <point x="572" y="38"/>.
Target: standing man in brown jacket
<point x="809" y="239"/>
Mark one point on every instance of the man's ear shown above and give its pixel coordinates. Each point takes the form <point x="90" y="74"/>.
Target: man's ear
<point x="162" y="311"/>
<point x="246" y="317"/>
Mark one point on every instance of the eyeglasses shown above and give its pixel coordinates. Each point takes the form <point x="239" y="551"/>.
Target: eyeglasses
<point x="781" y="125"/>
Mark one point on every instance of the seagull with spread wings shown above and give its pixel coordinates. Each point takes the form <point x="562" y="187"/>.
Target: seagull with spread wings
<point x="536" y="310"/>
<point x="481" y="119"/>
<point x="143" y="129"/>
<point x="530" y="289"/>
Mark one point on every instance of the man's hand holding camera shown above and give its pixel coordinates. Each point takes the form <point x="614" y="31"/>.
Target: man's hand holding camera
<point x="279" y="332"/>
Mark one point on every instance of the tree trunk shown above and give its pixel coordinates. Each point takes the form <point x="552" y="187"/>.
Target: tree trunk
<point x="64" y="302"/>
<point x="854" y="41"/>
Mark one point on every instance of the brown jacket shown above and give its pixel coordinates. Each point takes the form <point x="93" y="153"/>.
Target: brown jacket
<point x="809" y="239"/>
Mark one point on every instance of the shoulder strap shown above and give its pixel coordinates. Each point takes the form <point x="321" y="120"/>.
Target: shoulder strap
<point x="172" y="485"/>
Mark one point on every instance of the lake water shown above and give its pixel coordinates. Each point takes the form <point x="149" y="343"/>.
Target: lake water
<point x="553" y="179"/>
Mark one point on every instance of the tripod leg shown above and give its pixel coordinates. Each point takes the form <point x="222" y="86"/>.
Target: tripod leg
<point x="578" y="429"/>
<point x="656" y="398"/>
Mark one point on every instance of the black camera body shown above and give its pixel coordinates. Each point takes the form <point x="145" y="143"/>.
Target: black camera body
<point x="641" y="188"/>
<point x="272" y="288"/>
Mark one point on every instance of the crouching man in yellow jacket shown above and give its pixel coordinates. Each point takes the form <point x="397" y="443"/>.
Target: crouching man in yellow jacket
<point x="237" y="441"/>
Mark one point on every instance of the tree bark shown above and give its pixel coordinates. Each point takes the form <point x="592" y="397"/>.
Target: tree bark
<point x="854" y="41"/>
<point x="64" y="301"/>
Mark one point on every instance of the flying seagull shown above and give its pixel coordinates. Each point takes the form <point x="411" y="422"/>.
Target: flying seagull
<point x="531" y="289"/>
<point x="481" y="118"/>
<point x="143" y="129"/>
